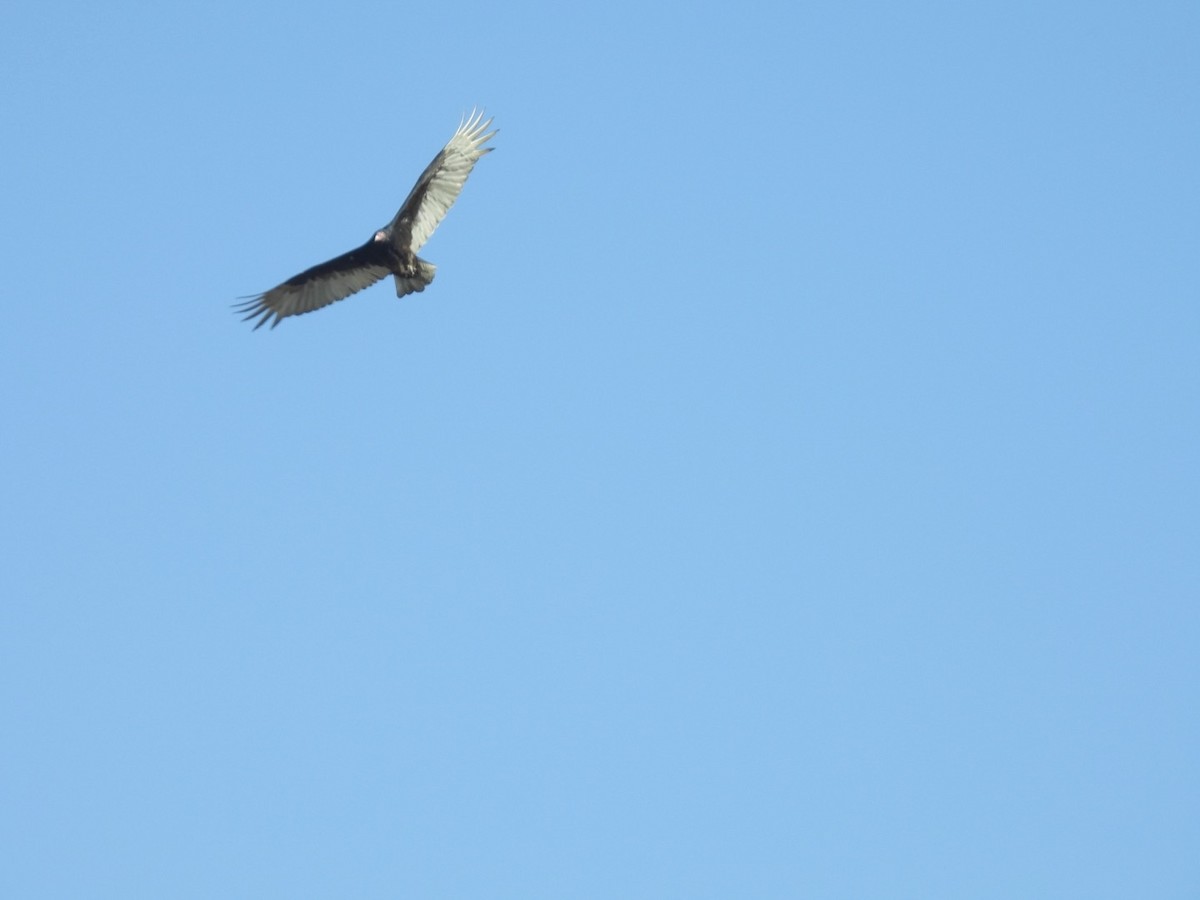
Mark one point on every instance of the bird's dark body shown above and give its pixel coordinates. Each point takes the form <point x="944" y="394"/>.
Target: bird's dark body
<point x="393" y="248"/>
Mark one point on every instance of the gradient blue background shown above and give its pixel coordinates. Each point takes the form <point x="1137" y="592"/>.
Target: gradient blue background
<point x="788" y="488"/>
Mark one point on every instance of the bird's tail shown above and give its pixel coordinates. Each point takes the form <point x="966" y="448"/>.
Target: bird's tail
<point x="415" y="283"/>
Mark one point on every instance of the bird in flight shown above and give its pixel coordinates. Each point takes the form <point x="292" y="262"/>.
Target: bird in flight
<point x="393" y="248"/>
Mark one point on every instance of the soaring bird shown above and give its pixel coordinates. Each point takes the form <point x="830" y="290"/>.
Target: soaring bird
<point x="393" y="248"/>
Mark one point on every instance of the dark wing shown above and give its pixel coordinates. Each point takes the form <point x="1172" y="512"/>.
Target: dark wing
<point x="319" y="286"/>
<point x="442" y="181"/>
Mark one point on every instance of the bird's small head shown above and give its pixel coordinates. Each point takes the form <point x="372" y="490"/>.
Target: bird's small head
<point x="380" y="235"/>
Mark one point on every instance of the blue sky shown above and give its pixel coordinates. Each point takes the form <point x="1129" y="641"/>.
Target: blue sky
<point x="787" y="488"/>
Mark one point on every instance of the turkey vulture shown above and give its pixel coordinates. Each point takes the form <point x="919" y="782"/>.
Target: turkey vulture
<point x="393" y="248"/>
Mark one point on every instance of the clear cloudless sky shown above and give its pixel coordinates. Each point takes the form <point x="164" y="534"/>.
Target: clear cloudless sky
<point x="787" y="488"/>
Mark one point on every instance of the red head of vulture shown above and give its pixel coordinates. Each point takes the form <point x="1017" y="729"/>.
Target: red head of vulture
<point x="393" y="248"/>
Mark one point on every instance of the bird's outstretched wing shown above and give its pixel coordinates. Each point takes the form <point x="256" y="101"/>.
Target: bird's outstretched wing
<point x="443" y="180"/>
<point x="319" y="286"/>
